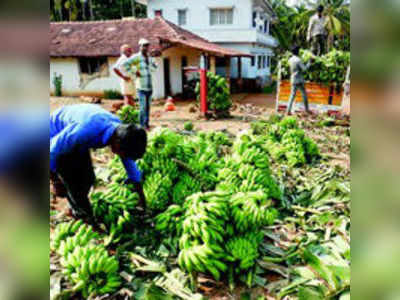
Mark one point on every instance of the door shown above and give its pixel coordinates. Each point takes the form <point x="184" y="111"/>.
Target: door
<point x="167" y="77"/>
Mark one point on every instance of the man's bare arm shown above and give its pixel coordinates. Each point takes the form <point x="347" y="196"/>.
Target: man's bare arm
<point x="118" y="72"/>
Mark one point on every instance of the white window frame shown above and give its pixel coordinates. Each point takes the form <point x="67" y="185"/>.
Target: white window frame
<point x="185" y="11"/>
<point x="221" y="19"/>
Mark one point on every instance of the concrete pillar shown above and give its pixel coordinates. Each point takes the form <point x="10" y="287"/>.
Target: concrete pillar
<point x="213" y="64"/>
<point x="239" y="67"/>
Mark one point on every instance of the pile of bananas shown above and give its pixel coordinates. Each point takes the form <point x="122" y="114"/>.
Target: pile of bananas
<point x="248" y="169"/>
<point x="170" y="221"/>
<point x="157" y="191"/>
<point x="285" y="141"/>
<point x="63" y="231"/>
<point x="69" y="235"/>
<point x="92" y="270"/>
<point x="185" y="187"/>
<point x="243" y="250"/>
<point x="203" y="258"/>
<point x="118" y="230"/>
<point x="110" y="204"/>
<point x="251" y="210"/>
<point x="128" y="114"/>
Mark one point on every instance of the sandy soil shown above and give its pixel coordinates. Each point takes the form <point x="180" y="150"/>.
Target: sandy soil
<point x="263" y="105"/>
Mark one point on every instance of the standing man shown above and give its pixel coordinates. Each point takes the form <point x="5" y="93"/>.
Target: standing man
<point x="297" y="79"/>
<point x="74" y="130"/>
<point x="317" y="32"/>
<point x="128" y="88"/>
<point x="142" y="65"/>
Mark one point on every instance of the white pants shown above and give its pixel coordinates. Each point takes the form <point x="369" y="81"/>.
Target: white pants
<point x="128" y="88"/>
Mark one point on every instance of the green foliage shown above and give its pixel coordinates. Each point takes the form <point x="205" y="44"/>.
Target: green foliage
<point x="128" y="114"/>
<point x="218" y="94"/>
<point x="326" y="69"/>
<point x="57" y="82"/>
<point x="112" y="94"/>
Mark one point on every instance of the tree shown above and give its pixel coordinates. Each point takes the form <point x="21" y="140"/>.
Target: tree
<point x="81" y="10"/>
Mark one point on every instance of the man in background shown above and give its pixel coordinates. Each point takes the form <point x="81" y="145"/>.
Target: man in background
<point x="142" y="65"/>
<point x="316" y="33"/>
<point x="297" y="81"/>
<point x="128" y="88"/>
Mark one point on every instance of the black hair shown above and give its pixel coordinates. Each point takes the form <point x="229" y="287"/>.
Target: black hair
<point x="296" y="50"/>
<point x="132" y="140"/>
<point x="320" y="8"/>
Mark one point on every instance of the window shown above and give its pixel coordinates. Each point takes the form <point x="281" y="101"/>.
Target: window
<point x="253" y="61"/>
<point x="266" y="26"/>
<point x="182" y="18"/>
<point x="158" y="13"/>
<point x="259" y="62"/>
<point x="221" y="16"/>
<point x="264" y="62"/>
<point x="254" y="18"/>
<point x="91" y="65"/>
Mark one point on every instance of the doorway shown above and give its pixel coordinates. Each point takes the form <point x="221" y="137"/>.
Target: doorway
<point x="167" y="77"/>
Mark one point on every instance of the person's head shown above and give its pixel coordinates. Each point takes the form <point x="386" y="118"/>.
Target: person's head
<point x="144" y="46"/>
<point x="320" y="9"/>
<point x="129" y="141"/>
<point x="296" y="50"/>
<point x="126" y="50"/>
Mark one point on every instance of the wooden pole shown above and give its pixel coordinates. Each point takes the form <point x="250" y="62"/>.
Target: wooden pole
<point x="213" y="64"/>
<point x="228" y="71"/>
<point x="278" y="86"/>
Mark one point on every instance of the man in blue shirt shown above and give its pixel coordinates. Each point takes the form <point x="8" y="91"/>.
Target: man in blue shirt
<point x="74" y="130"/>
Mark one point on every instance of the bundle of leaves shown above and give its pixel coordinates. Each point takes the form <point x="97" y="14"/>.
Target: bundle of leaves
<point x="326" y="69"/>
<point x="218" y="94"/>
<point x="128" y="114"/>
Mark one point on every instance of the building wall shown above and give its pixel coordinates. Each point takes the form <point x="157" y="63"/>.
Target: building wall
<point x="198" y="12"/>
<point x="71" y="80"/>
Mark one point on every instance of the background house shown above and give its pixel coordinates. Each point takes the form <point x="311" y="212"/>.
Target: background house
<point x="243" y="25"/>
<point x="84" y="53"/>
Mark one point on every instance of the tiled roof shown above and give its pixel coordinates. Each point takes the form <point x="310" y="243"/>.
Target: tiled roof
<point x="104" y="38"/>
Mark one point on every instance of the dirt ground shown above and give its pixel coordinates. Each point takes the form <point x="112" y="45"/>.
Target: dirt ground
<point x="247" y="108"/>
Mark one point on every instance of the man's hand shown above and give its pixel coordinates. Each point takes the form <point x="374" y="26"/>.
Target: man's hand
<point x="137" y="74"/>
<point x="127" y="79"/>
<point x="138" y="188"/>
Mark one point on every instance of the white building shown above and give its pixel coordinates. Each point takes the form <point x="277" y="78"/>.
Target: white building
<point x="243" y="25"/>
<point x="84" y="54"/>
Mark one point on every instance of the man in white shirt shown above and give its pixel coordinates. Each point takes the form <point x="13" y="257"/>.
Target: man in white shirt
<point x="316" y="33"/>
<point x="128" y="88"/>
<point x="297" y="79"/>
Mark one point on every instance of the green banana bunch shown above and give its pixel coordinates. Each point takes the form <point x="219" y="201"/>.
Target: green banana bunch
<point x="92" y="270"/>
<point x="128" y="114"/>
<point x="109" y="205"/>
<point x="243" y="250"/>
<point x="185" y="187"/>
<point x="203" y="258"/>
<point x="166" y="167"/>
<point x="156" y="189"/>
<point x="83" y="236"/>
<point x="251" y="210"/>
<point x="170" y="221"/>
<point x="63" y="231"/>
<point x="118" y="229"/>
